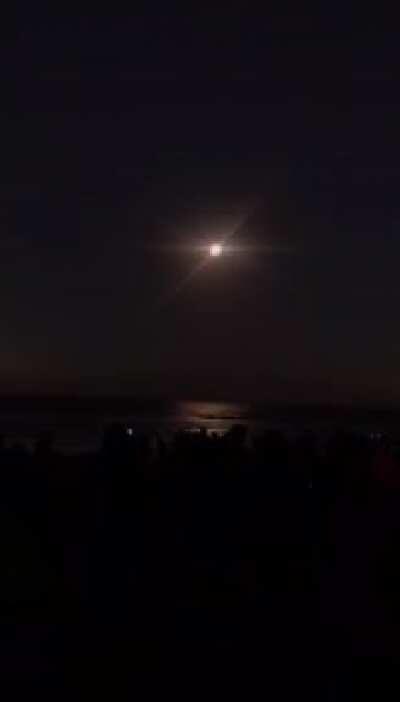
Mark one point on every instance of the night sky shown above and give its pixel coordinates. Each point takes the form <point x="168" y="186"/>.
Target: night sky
<point x="130" y="142"/>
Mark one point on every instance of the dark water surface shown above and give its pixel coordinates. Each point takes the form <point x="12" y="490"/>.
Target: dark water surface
<point x="78" y="425"/>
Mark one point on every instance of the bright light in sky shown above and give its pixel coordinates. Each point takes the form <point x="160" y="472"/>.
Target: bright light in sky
<point x="215" y="250"/>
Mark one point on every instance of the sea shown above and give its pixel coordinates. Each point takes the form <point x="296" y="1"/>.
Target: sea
<point x="78" y="425"/>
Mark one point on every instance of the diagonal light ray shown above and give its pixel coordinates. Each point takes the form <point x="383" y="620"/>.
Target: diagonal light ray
<point x="175" y="292"/>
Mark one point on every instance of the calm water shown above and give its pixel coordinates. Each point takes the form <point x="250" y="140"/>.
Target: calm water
<point x="76" y="429"/>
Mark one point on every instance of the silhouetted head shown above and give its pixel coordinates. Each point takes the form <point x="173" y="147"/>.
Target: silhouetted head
<point x="236" y="436"/>
<point x="44" y="444"/>
<point x="118" y="441"/>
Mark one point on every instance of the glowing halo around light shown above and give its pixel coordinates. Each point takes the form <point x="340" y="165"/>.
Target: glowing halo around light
<point x="215" y="250"/>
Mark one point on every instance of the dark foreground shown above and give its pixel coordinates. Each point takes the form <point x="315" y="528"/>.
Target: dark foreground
<point x="202" y="569"/>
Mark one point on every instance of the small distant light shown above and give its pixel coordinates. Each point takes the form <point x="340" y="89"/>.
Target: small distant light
<point x="129" y="431"/>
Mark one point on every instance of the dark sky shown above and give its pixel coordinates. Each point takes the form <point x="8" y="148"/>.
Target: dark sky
<point x="129" y="141"/>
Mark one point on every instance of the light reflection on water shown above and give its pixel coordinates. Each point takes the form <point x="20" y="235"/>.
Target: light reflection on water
<point x="188" y="411"/>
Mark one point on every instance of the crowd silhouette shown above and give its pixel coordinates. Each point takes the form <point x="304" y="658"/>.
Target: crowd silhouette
<point x="208" y="562"/>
